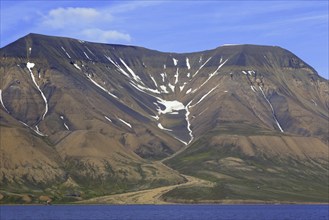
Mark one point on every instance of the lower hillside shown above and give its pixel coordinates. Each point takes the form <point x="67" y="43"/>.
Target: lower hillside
<point x="258" y="168"/>
<point x="71" y="171"/>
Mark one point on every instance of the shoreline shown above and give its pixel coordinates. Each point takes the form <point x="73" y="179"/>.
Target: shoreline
<point x="217" y="202"/>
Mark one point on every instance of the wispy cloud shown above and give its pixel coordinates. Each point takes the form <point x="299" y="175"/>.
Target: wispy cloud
<point x="87" y="23"/>
<point x="61" y="18"/>
<point x="98" y="35"/>
<point x="126" y="6"/>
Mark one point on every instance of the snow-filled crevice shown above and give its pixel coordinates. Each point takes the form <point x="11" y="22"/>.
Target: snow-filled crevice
<point x="124" y="122"/>
<point x="204" y="96"/>
<point x="164" y="106"/>
<point x="253" y="88"/>
<point x="86" y="55"/>
<point x="30" y="66"/>
<point x="162" y="128"/>
<point x="99" y="86"/>
<point x="155" y="83"/>
<point x="201" y="66"/>
<point x="90" y="51"/>
<point x="67" y="54"/>
<point x="163" y="75"/>
<point x="36" y="130"/>
<point x="65" y="125"/>
<point x="118" y="67"/>
<point x="135" y="76"/>
<point x="273" y="112"/>
<point x="188" y="123"/>
<point x="3" y="105"/>
<point x="135" y="80"/>
<point x="210" y="76"/>
<point x="175" y="61"/>
<point x="188" y="63"/>
<point x="77" y="66"/>
<point x="176" y="75"/>
<point x="173" y="107"/>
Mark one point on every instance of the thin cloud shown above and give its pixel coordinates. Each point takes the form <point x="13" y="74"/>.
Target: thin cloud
<point x="62" y="18"/>
<point x="104" y="36"/>
<point x="132" y="5"/>
<point x="86" y="23"/>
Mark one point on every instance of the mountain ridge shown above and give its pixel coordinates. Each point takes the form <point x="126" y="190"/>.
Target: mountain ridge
<point x="241" y="47"/>
<point x="111" y="112"/>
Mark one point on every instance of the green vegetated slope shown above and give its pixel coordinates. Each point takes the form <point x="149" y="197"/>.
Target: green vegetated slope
<point x="253" y="167"/>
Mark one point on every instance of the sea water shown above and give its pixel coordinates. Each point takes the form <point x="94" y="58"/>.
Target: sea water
<point x="165" y="212"/>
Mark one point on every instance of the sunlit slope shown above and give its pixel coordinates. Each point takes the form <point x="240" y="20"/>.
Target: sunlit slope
<point x="101" y="115"/>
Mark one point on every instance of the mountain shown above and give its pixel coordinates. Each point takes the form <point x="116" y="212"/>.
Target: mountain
<point x="81" y="119"/>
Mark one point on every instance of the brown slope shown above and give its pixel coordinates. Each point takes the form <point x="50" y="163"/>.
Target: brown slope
<point x="83" y="82"/>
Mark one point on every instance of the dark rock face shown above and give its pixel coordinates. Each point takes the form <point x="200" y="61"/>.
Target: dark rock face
<point x="97" y="107"/>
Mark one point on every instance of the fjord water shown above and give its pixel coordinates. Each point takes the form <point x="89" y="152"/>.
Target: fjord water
<point x="165" y="212"/>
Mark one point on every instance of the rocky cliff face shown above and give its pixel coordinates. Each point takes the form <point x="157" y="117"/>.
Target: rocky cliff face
<point x="102" y="115"/>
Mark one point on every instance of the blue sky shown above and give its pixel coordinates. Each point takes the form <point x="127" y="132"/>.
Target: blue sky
<point x="177" y="26"/>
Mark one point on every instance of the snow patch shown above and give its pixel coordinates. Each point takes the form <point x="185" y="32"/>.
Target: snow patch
<point x="143" y="88"/>
<point x="164" y="89"/>
<point x="107" y="118"/>
<point x="163" y="76"/>
<point x="162" y="128"/>
<point x="182" y="87"/>
<point x="77" y="66"/>
<point x="175" y="61"/>
<point x="65" y="125"/>
<point x="251" y="72"/>
<point x="176" y="76"/>
<point x="155" y="83"/>
<point x="24" y="124"/>
<point x="67" y="54"/>
<point x="172" y="87"/>
<point x="228" y="45"/>
<point x="38" y="131"/>
<point x="170" y="106"/>
<point x="188" y="63"/>
<point x="155" y="117"/>
<point x="124" y="122"/>
<point x="86" y="55"/>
